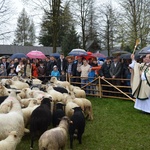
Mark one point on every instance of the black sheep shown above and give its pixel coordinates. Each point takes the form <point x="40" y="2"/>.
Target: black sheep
<point x="60" y="89"/>
<point x="40" y="119"/>
<point x="58" y="114"/>
<point x="78" y="123"/>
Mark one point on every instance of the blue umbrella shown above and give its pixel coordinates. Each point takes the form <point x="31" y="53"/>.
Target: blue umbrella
<point x="145" y="50"/>
<point x="56" y="55"/>
<point x="77" y="52"/>
<point x="18" y="55"/>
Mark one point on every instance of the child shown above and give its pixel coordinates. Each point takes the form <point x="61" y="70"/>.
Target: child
<point x="12" y="72"/>
<point x="63" y="76"/>
<point x="55" y="72"/>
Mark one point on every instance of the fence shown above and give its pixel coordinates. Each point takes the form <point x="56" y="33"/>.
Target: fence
<point x="109" y="88"/>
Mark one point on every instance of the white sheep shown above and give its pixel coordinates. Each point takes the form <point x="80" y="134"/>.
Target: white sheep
<point x="56" y="138"/>
<point x="28" y="111"/>
<point x="10" y="142"/>
<point x="69" y="108"/>
<point x="17" y="84"/>
<point x="12" y="121"/>
<point x="65" y="84"/>
<point x="3" y="90"/>
<point x="88" y="111"/>
<point x="79" y="102"/>
<point x="56" y="96"/>
<point x="6" y="106"/>
<point x="79" y="93"/>
<point x="25" y="102"/>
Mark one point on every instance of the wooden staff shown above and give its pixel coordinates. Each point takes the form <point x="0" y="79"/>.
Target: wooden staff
<point x="118" y="89"/>
<point x="136" y="44"/>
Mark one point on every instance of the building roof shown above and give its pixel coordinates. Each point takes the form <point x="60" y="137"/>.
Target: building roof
<point x="12" y="49"/>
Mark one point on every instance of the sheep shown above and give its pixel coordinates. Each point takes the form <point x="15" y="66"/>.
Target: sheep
<point x="79" y="93"/>
<point x="17" y="84"/>
<point x="56" y="138"/>
<point x="40" y="119"/>
<point x="78" y="123"/>
<point x="56" y="96"/>
<point x="10" y="142"/>
<point x="5" y="107"/>
<point x="60" y="89"/>
<point x="3" y="90"/>
<point x="25" y="102"/>
<point x="69" y="108"/>
<point x="79" y="102"/>
<point x="58" y="114"/>
<point x="65" y="84"/>
<point x="28" y="111"/>
<point x="13" y="120"/>
<point x="87" y="108"/>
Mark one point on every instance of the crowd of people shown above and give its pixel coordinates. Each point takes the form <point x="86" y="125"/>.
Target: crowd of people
<point x="70" y="66"/>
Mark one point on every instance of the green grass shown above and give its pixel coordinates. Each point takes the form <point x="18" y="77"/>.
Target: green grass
<point x="116" y="126"/>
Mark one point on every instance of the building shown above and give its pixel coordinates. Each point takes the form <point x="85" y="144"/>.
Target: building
<point x="12" y="49"/>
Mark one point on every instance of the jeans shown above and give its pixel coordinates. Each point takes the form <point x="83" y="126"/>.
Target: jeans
<point x="84" y="82"/>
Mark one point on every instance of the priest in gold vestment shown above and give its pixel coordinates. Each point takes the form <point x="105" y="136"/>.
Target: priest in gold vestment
<point x="140" y="83"/>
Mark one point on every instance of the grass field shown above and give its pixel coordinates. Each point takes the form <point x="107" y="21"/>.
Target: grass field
<point x="116" y="126"/>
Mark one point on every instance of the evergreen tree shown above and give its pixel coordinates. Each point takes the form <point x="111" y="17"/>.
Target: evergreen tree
<point x="25" y="32"/>
<point x="70" y="41"/>
<point x="64" y="24"/>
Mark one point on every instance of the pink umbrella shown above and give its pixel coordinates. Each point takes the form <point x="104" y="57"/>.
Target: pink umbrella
<point x="36" y="54"/>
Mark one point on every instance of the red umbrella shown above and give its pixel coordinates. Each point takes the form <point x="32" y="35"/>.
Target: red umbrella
<point x="36" y="54"/>
<point x="99" y="55"/>
<point x="89" y="55"/>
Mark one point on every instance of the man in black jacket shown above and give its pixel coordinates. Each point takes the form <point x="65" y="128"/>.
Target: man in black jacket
<point x="62" y="63"/>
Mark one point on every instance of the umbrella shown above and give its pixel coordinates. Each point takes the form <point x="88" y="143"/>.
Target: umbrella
<point x="119" y="52"/>
<point x="18" y="55"/>
<point x="145" y="50"/>
<point x="125" y="56"/>
<point x="56" y="55"/>
<point x="99" y="55"/>
<point x="36" y="54"/>
<point x="77" y="52"/>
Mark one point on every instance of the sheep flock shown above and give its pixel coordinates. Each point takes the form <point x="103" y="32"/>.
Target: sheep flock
<point x="51" y="113"/>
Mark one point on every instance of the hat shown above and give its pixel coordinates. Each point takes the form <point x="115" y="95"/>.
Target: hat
<point x="55" y="66"/>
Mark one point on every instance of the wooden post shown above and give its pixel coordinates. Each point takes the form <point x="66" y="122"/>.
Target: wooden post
<point x="100" y="87"/>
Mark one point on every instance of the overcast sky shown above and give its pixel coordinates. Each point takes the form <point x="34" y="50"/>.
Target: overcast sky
<point x="18" y="6"/>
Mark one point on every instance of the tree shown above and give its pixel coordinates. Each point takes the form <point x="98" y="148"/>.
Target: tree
<point x="81" y="15"/>
<point x="6" y="14"/>
<point x="25" y="32"/>
<point x="137" y="19"/>
<point x="107" y="26"/>
<point x="70" y="41"/>
<point x="64" y="24"/>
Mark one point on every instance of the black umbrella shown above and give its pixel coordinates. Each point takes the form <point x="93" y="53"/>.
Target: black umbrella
<point x="145" y="50"/>
<point x="125" y="56"/>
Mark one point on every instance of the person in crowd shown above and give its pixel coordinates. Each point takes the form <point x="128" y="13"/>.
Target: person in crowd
<point x="5" y="63"/>
<point x="28" y="68"/>
<point x="115" y="70"/>
<point x="41" y="71"/>
<point x="55" y="72"/>
<point x="104" y="73"/>
<point x="35" y="68"/>
<point x="70" y="67"/>
<point x="11" y="66"/>
<point x="62" y="63"/>
<point x="20" y="68"/>
<point x="47" y="65"/>
<point x="63" y="76"/>
<point x="75" y="70"/>
<point x="140" y="83"/>
<point x="16" y="63"/>
<point x="52" y="63"/>
<point x="84" y="69"/>
<point x="12" y="72"/>
<point x="3" y="71"/>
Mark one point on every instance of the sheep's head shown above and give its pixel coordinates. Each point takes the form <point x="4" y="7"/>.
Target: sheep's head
<point x="15" y="78"/>
<point x="14" y="134"/>
<point x="53" y="79"/>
